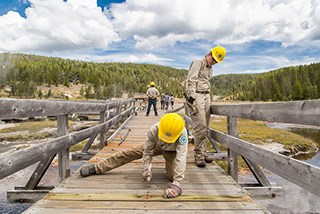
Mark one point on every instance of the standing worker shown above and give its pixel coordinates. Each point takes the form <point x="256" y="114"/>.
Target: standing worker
<point x="198" y="98"/>
<point x="172" y="100"/>
<point x="168" y="138"/>
<point x="152" y="94"/>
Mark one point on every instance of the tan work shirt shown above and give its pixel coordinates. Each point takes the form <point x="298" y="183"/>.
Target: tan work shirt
<point x="198" y="77"/>
<point x="180" y="147"/>
<point x="152" y="93"/>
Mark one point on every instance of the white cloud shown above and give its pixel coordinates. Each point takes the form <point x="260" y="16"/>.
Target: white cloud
<point x="55" y="25"/>
<point x="222" y="21"/>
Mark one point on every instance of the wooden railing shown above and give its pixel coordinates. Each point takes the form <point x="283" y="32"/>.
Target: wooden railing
<point x="111" y="113"/>
<point x="301" y="112"/>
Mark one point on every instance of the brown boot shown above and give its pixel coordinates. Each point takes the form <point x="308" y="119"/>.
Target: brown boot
<point x="208" y="159"/>
<point x="200" y="162"/>
<point x="87" y="170"/>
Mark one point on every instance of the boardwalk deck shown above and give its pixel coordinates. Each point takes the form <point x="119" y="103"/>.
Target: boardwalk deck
<point x="122" y="190"/>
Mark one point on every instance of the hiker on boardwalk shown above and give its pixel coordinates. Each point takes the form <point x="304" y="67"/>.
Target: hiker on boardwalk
<point x="168" y="138"/>
<point x="167" y="100"/>
<point x="152" y="94"/>
<point x="198" y="98"/>
<point x="162" y="101"/>
<point x="172" y="100"/>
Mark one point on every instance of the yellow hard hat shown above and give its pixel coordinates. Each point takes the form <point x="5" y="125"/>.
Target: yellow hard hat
<point x="218" y="53"/>
<point x="152" y="84"/>
<point x="170" y="127"/>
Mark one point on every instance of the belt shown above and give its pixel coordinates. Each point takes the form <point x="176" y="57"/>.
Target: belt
<point x="202" y="92"/>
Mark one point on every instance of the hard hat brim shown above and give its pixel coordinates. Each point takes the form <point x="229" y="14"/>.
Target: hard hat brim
<point x="167" y="139"/>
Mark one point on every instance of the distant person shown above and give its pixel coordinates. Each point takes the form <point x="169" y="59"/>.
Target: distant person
<point x="198" y="98"/>
<point x="169" y="138"/>
<point x="172" y="100"/>
<point x="167" y="100"/>
<point x="162" y="101"/>
<point x="152" y="94"/>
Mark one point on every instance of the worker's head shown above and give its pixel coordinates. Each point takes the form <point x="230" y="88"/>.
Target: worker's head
<point x="218" y="53"/>
<point x="170" y="127"/>
<point x="152" y="84"/>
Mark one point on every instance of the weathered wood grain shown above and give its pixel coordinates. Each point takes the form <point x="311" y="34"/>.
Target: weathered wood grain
<point x="300" y="112"/>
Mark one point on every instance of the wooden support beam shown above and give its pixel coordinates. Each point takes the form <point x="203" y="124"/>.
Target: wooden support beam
<point x="257" y="172"/>
<point x="83" y="156"/>
<point x="63" y="155"/>
<point x="26" y="196"/>
<point x="264" y="192"/>
<point x="232" y="155"/>
<point x="102" y="137"/>
<point x="89" y="142"/>
<point x="39" y="172"/>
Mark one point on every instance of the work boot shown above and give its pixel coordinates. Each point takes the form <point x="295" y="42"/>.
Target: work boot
<point x="87" y="170"/>
<point x="208" y="159"/>
<point x="200" y="162"/>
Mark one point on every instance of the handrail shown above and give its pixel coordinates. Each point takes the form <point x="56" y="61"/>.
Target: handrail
<point x="24" y="108"/>
<point x="44" y="152"/>
<point x="300" y="112"/>
<point x="15" y="161"/>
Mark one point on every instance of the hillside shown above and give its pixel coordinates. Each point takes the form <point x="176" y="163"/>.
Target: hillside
<point x="30" y="76"/>
<point x="26" y="76"/>
<point x="290" y="83"/>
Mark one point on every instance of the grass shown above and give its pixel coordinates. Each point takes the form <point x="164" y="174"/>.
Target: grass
<point x="33" y="128"/>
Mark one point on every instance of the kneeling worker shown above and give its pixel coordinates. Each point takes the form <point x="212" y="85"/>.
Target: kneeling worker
<point x="168" y="138"/>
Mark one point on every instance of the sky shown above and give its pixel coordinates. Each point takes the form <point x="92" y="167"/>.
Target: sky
<point x="259" y="36"/>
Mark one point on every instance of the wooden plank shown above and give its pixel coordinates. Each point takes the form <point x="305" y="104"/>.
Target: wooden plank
<point x="169" y="205"/>
<point x="300" y="112"/>
<point x="223" y="190"/>
<point x="134" y="211"/>
<point x="145" y="197"/>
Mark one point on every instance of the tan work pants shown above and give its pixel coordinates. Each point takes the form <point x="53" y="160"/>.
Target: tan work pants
<point x="201" y="120"/>
<point x="135" y="153"/>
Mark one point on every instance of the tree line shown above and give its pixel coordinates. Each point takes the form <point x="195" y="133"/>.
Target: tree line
<point x="290" y="83"/>
<point x="22" y="73"/>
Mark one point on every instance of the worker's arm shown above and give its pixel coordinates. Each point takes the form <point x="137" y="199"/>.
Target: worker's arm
<point x="180" y="163"/>
<point x="148" y="152"/>
<point x="181" y="159"/>
<point x="193" y="78"/>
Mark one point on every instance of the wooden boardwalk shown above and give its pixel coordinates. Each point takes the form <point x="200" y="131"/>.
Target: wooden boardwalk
<point x="122" y="190"/>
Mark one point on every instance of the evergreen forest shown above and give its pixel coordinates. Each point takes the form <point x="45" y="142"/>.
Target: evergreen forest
<point x="20" y="74"/>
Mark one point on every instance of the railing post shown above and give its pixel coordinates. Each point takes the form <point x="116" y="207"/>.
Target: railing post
<point x="63" y="155"/>
<point x="102" y="137"/>
<point x="232" y="156"/>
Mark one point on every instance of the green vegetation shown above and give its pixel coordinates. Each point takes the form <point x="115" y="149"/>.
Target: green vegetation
<point x="31" y="126"/>
<point x="291" y="83"/>
<point x="21" y="74"/>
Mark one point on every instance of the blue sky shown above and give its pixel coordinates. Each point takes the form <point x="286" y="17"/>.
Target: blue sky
<point x="259" y="35"/>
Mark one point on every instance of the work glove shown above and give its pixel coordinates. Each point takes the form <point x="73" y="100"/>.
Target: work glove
<point x="146" y="172"/>
<point x="172" y="192"/>
<point x="191" y="100"/>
